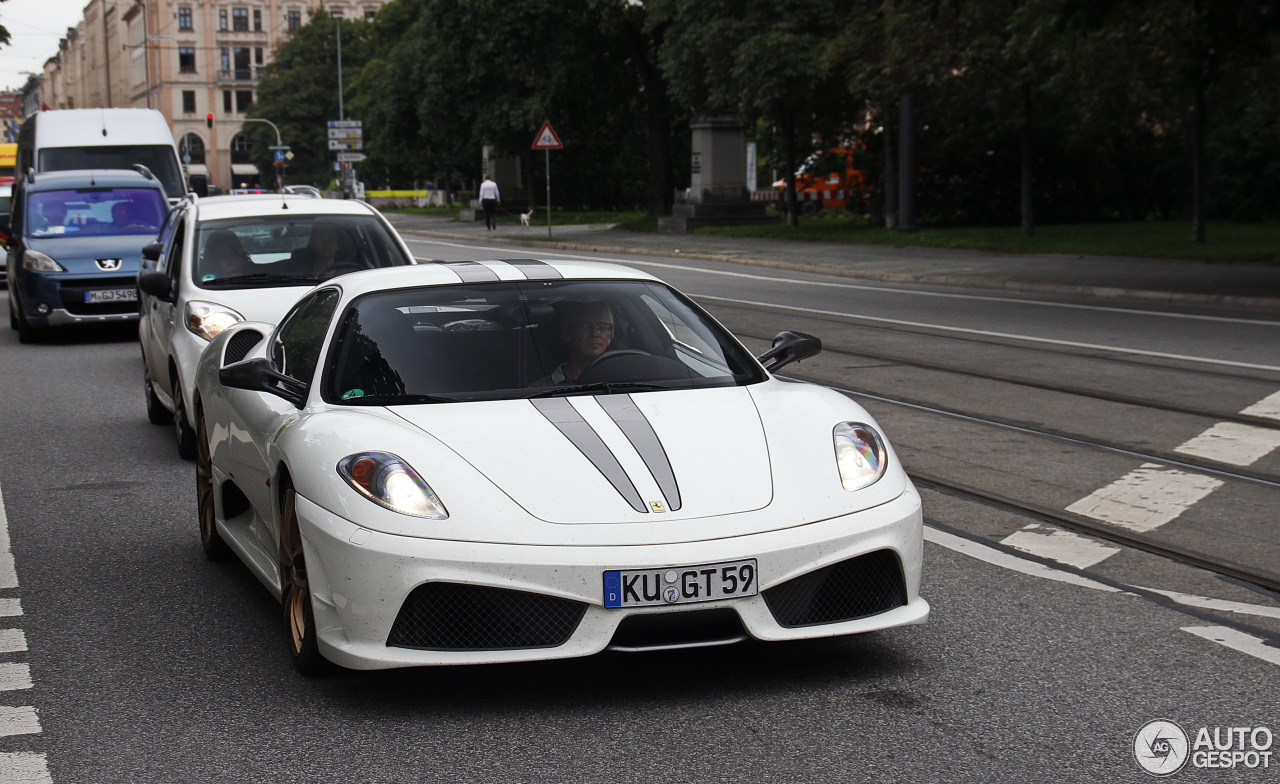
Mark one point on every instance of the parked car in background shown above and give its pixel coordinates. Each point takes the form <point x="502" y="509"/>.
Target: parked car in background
<point x="6" y="195"/>
<point x="75" y="246"/>
<point x="304" y="190"/>
<point x="226" y="259"/>
<point x="405" y="462"/>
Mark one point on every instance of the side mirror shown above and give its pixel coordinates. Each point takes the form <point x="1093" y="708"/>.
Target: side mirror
<point x="157" y="284"/>
<point x="151" y="251"/>
<point x="790" y="347"/>
<point x="257" y="375"/>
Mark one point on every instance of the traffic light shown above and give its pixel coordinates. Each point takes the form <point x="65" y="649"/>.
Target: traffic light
<point x="208" y="120"/>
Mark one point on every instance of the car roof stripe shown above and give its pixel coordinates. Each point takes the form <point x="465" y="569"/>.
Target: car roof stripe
<point x="534" y="269"/>
<point x="470" y="271"/>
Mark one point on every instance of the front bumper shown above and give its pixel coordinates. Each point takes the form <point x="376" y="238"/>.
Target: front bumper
<point x="360" y="581"/>
<point x="63" y="299"/>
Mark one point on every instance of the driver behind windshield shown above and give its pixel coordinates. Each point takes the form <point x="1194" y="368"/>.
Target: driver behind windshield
<point x="586" y="332"/>
<point x="224" y="256"/>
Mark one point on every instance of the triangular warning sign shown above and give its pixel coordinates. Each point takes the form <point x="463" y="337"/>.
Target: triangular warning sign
<point x="547" y="139"/>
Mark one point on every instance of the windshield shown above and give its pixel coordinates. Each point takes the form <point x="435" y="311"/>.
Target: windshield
<point x="261" y="250"/>
<point x="161" y="159"/>
<point x="528" y="339"/>
<point x="96" y="212"/>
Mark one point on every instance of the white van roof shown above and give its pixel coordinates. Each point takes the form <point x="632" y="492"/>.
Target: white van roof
<point x="85" y="127"/>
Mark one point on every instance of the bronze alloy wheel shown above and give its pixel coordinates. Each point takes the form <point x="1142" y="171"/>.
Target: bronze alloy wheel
<point x="214" y="547"/>
<point x="299" y="619"/>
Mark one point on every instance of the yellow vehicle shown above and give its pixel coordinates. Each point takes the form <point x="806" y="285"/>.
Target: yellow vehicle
<point x="8" y="156"/>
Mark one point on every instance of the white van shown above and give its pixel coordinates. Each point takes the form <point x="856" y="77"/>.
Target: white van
<point x="63" y="139"/>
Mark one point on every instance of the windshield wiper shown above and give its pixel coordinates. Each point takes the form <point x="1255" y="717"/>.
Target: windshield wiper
<point x="264" y="277"/>
<point x="607" y="387"/>
<point x="399" y="400"/>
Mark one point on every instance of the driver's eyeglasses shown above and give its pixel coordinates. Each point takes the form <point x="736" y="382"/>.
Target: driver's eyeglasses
<point x="595" y="327"/>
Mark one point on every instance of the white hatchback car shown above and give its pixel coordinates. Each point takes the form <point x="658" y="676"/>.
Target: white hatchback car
<point x="497" y="461"/>
<point x="227" y="259"/>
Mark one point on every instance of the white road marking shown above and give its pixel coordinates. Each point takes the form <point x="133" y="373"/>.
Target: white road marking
<point x="992" y="334"/>
<point x="1233" y="443"/>
<point x="1146" y="498"/>
<point x="10" y="608"/>
<point x="18" y="721"/>
<point x="1008" y="561"/>
<point x="853" y="286"/>
<point x="24" y="768"/>
<point x="14" y="676"/>
<point x="1055" y="544"/>
<point x="1204" y="602"/>
<point x="1236" y="640"/>
<point x="12" y="640"/>
<point x="1268" y="407"/>
<point x="8" y="573"/>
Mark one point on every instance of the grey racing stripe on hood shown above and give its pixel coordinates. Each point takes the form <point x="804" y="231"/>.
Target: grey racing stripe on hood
<point x="561" y="413"/>
<point x="631" y="421"/>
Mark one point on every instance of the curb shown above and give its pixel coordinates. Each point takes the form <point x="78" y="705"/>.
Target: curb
<point x="1008" y="285"/>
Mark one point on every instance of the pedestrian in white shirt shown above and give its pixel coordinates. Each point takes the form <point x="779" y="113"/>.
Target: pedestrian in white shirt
<point x="489" y="199"/>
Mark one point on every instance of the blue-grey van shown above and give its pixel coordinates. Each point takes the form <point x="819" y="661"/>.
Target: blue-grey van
<point x="75" y="244"/>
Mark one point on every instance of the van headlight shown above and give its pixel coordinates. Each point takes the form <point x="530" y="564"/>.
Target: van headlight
<point x="860" y="455"/>
<point x="207" y="320"/>
<point x="36" y="261"/>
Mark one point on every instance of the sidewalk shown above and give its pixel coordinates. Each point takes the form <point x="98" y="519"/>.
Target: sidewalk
<point x="1236" y="286"/>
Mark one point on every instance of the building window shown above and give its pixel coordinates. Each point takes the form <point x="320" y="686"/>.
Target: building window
<point x="257" y="20"/>
<point x="293" y="20"/>
<point x="240" y="61"/>
<point x="369" y="14"/>
<point x="189" y="101"/>
<point x="187" y="59"/>
<point x="243" y="99"/>
<point x="184" y="19"/>
<point x="257" y="56"/>
<point x="222" y="19"/>
<point x="240" y="148"/>
<point x="226" y="102"/>
<point x="192" y="148"/>
<point x="224" y="63"/>
<point x="240" y="20"/>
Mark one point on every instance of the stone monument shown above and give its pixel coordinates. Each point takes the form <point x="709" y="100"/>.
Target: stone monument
<point x="717" y="194"/>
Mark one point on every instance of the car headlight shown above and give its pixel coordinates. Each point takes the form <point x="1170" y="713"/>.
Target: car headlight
<point x="860" y="455"/>
<point x="389" y="481"/>
<point x="206" y="320"/>
<point x="40" y="262"/>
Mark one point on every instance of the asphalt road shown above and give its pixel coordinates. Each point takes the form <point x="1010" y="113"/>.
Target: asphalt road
<point x="126" y="657"/>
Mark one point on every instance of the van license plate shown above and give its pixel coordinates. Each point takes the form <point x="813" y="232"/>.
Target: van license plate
<point x="680" y="584"/>
<point x="111" y="295"/>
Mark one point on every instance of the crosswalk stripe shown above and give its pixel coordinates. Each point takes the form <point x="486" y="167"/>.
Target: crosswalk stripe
<point x="24" y="768"/>
<point x="14" y="676"/>
<point x="8" y="573"/>
<point x="1268" y="407"/>
<point x="1233" y="443"/>
<point x="18" y="720"/>
<point x="1146" y="498"/>
<point x="12" y="640"/>
<point x="1238" y="641"/>
<point x="10" y="608"/>
<point x="1062" y="546"/>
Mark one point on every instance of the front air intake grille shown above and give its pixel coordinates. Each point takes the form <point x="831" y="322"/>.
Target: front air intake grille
<point x="452" y="617"/>
<point x="859" y="587"/>
<point x="687" y="629"/>
<point x="239" y="345"/>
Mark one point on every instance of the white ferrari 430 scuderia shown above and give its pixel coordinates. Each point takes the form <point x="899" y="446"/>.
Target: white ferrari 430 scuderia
<point x="496" y="461"/>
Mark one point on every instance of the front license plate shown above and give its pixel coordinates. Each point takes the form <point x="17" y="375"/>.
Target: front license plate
<point x="111" y="295"/>
<point x="680" y="584"/>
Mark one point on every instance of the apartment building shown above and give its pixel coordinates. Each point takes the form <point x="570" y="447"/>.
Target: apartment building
<point x="188" y="59"/>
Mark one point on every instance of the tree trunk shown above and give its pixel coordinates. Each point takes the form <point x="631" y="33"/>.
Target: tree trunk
<point x="1024" y="133"/>
<point x="907" y="164"/>
<point x="1197" y="167"/>
<point x="890" y="166"/>
<point x="789" y="140"/>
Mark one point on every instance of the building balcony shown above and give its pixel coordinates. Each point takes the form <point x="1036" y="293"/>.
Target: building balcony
<point x="239" y="75"/>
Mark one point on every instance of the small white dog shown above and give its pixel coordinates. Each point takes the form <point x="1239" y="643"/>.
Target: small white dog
<point x="525" y="216"/>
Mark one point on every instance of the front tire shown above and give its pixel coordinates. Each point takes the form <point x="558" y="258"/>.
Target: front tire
<point x="295" y="595"/>
<point x="215" y="548"/>
<point x="182" y="431"/>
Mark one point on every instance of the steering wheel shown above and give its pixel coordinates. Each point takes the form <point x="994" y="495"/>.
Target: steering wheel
<point x="611" y="355"/>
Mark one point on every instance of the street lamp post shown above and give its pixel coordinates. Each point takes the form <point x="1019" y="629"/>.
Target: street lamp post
<point x="279" y="147"/>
